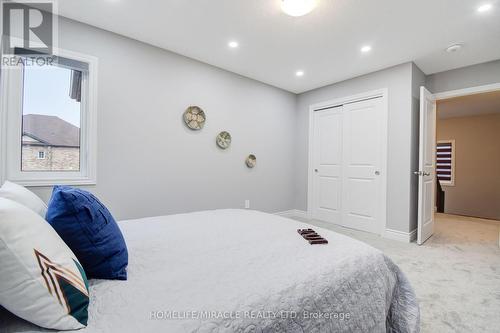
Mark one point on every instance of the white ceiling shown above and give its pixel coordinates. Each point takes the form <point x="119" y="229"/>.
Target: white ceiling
<point x="471" y="105"/>
<point x="325" y="44"/>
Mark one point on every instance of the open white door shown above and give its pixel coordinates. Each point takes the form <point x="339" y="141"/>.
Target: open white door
<point x="426" y="172"/>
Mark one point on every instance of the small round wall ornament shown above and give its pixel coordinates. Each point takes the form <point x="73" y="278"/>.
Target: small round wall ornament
<point x="194" y="117"/>
<point x="223" y="140"/>
<point x="251" y="161"/>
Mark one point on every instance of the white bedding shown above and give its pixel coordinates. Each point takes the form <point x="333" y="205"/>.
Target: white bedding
<point x="244" y="265"/>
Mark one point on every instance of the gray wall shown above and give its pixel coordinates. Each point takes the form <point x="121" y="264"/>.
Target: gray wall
<point x="398" y="80"/>
<point x="476" y="191"/>
<point x="149" y="163"/>
<point x="466" y="77"/>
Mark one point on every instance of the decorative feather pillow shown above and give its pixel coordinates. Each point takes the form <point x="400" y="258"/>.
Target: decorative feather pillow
<point x="23" y="196"/>
<point x="40" y="279"/>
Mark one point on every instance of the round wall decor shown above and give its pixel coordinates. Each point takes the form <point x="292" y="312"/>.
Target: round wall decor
<point x="223" y="140"/>
<point x="194" y="117"/>
<point x="251" y="161"/>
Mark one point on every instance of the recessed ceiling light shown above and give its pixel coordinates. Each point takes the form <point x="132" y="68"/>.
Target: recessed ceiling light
<point x="454" y="48"/>
<point x="484" y="8"/>
<point x="298" y="7"/>
<point x="299" y="73"/>
<point x="233" y="44"/>
<point x="366" y="48"/>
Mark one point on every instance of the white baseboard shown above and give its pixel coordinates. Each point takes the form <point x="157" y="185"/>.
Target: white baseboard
<point x="293" y="213"/>
<point x="401" y="236"/>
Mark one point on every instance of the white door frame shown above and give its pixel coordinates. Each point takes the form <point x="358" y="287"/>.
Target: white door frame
<point x="463" y="92"/>
<point x="383" y="93"/>
<point x="467" y="91"/>
<point x="459" y="93"/>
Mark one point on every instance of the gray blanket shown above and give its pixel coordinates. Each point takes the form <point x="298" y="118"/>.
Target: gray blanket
<point x="245" y="271"/>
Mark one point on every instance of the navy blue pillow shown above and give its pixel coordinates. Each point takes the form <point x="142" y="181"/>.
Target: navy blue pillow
<point x="90" y="231"/>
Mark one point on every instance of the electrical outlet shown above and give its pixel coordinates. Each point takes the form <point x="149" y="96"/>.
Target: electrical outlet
<point x="247" y="204"/>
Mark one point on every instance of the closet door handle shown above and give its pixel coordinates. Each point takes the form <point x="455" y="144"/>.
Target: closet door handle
<point x="315" y="170"/>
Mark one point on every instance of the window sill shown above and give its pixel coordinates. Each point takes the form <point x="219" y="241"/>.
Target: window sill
<point x="50" y="182"/>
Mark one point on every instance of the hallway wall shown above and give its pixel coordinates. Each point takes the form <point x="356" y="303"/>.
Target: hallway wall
<point x="477" y="165"/>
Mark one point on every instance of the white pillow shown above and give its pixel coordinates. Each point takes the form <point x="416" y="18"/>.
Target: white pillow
<point x="24" y="196"/>
<point x="40" y="278"/>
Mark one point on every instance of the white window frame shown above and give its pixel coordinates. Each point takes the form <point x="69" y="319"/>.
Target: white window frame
<point x="452" y="181"/>
<point x="10" y="129"/>
<point x="38" y="155"/>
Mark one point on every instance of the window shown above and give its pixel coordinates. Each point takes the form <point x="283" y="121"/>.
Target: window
<point x="445" y="162"/>
<point x="51" y="119"/>
<point x="49" y="134"/>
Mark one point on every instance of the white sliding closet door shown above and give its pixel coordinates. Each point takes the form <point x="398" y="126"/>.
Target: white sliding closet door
<point x="348" y="184"/>
<point x="362" y="160"/>
<point x="327" y="157"/>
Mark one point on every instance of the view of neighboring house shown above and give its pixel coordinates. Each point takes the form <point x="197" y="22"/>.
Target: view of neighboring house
<point x="49" y="144"/>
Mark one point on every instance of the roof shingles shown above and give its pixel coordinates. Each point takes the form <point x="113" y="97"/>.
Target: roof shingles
<point x="51" y="130"/>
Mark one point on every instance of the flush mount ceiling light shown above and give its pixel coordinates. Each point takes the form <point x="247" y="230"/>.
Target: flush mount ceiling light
<point x="484" y="8"/>
<point x="366" y="48"/>
<point x="233" y="44"/>
<point x="454" y="47"/>
<point x="298" y="7"/>
<point x="299" y="73"/>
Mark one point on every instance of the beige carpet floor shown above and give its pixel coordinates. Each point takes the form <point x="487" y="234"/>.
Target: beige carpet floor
<point x="455" y="274"/>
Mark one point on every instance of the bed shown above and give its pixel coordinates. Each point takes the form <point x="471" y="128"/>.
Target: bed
<point x="245" y="271"/>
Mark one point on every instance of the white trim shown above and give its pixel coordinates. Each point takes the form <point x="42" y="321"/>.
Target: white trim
<point x="293" y="213"/>
<point x="348" y="99"/>
<point x="467" y="91"/>
<point x="88" y="145"/>
<point x="401" y="236"/>
<point x="3" y="124"/>
<point x="384" y="94"/>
